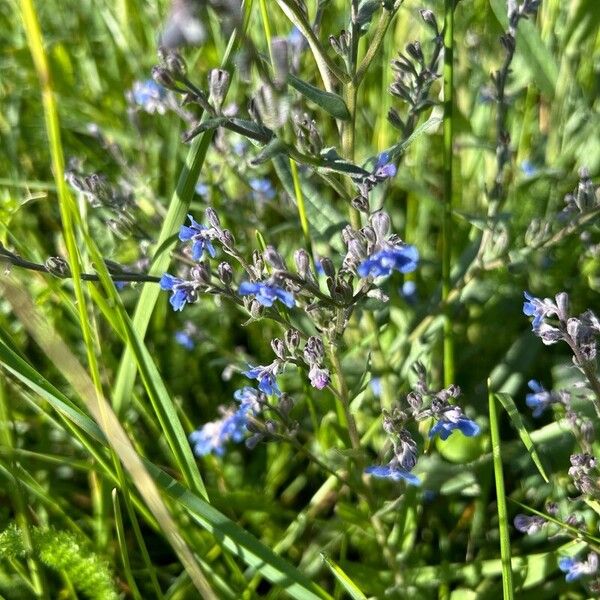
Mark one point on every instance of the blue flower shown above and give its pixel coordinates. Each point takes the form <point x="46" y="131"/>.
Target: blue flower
<point x="262" y="189"/>
<point x="409" y="291"/>
<point x="267" y="293"/>
<point x="199" y="234"/>
<point x="393" y="472"/>
<point x="453" y="419"/>
<point x="539" y="400"/>
<point x="202" y="189"/>
<point x="149" y="95"/>
<point x="266" y="379"/>
<point x="183" y="338"/>
<point x="575" y="569"/>
<point x="534" y="307"/>
<point x="528" y="168"/>
<point x="375" y="384"/>
<point x="183" y="291"/>
<point x="402" y="258"/>
<point x="213" y="436"/>
<point x="384" y="168"/>
<point x="248" y="397"/>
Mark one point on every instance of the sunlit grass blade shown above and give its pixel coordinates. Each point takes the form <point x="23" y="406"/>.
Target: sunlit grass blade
<point x="343" y="579"/>
<point x="507" y="582"/>
<point x="72" y="370"/>
<point x="509" y="405"/>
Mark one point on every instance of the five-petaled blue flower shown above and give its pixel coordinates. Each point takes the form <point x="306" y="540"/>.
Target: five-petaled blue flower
<point x="539" y="400"/>
<point x="453" y="419"/>
<point x="183" y="291"/>
<point x="575" y="569"/>
<point x="198" y="234"/>
<point x="267" y="293"/>
<point x="402" y="258"/>
<point x="393" y="472"/>
<point x="266" y="379"/>
<point x="384" y="168"/>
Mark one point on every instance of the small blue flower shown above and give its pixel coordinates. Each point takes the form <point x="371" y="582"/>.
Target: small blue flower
<point x="384" y="168"/>
<point x="183" y="338"/>
<point x="212" y="436"/>
<point x="528" y="168"/>
<point x="534" y="307"/>
<point x="409" y="292"/>
<point x="248" y="397"/>
<point x="539" y="400"/>
<point x="266" y="293"/>
<point x="375" y="384"/>
<point x="575" y="569"/>
<point x="262" y="189"/>
<point x="202" y="189"/>
<point x="183" y="291"/>
<point x="149" y="95"/>
<point x="396" y="258"/>
<point x="449" y="421"/>
<point x="266" y="379"/>
<point x="393" y="472"/>
<point x="198" y="233"/>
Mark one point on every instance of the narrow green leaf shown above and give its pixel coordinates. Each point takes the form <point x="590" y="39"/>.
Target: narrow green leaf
<point x="274" y="148"/>
<point x="507" y="583"/>
<point x="510" y="407"/>
<point x="328" y="101"/>
<point x="396" y="150"/>
<point x="344" y="580"/>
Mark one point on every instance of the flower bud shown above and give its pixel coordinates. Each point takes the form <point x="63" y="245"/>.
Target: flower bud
<point x="279" y="348"/>
<point x="218" y="84"/>
<point x="201" y="272"/>
<point x="225" y="273"/>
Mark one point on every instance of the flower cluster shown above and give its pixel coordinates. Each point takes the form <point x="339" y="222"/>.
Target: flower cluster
<point x="149" y="96"/>
<point x="575" y="569"/>
<point x="231" y="427"/>
<point x="423" y="403"/>
<point x="373" y="252"/>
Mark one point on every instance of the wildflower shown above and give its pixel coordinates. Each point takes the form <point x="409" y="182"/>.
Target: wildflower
<point x="262" y="189"/>
<point x="575" y="569"/>
<point x="529" y="525"/>
<point x="402" y="258"/>
<point x="182" y="291"/>
<point x="202" y="189"/>
<point x="539" y="400"/>
<point x="375" y="384"/>
<point x="528" y="168"/>
<point x="150" y="96"/>
<point x="394" y="472"/>
<point x="213" y="436"/>
<point x="384" y="168"/>
<point x="450" y="419"/>
<point x="265" y="377"/>
<point x="183" y="338"/>
<point x="319" y="377"/>
<point x="409" y="291"/>
<point x="249" y="398"/>
<point x="199" y="234"/>
<point x="266" y="293"/>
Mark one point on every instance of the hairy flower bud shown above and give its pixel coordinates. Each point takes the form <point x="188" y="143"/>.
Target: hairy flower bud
<point x="218" y="84"/>
<point x="292" y="340"/>
<point x="225" y="273"/>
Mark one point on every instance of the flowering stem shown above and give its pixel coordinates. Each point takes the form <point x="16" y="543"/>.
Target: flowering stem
<point x="586" y="367"/>
<point x="448" y="177"/>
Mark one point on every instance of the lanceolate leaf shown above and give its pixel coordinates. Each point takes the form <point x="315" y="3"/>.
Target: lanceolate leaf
<point x="328" y="101"/>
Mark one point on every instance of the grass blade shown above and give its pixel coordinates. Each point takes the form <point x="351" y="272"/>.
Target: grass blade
<point x="510" y="407"/>
<point x="507" y="583"/>
<point x="344" y="580"/>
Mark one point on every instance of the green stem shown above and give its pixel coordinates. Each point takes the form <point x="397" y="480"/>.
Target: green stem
<point x="448" y="179"/>
<point x="507" y="585"/>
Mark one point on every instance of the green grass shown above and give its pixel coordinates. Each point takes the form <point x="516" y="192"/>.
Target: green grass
<point x="97" y="399"/>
